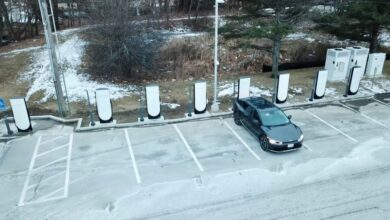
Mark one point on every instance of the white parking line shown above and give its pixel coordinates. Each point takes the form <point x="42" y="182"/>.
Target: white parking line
<point x="30" y="168"/>
<point x="51" y="140"/>
<point x="66" y="185"/>
<point x="241" y="140"/>
<point x="52" y="150"/>
<point x="50" y="163"/>
<point x="307" y="147"/>
<point x="189" y="148"/>
<point x="44" y="200"/>
<point x="45" y="180"/>
<point x="381" y="102"/>
<point x="366" y="116"/>
<point x="137" y="176"/>
<point x="338" y="130"/>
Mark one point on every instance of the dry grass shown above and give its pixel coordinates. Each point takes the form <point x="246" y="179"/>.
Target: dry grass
<point x="11" y="67"/>
<point x="188" y="59"/>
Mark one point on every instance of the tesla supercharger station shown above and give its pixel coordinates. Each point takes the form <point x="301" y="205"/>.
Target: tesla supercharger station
<point x="354" y="80"/>
<point x="21" y="114"/>
<point x="244" y="84"/>
<point x="153" y="101"/>
<point x="282" y="91"/>
<point x="337" y="61"/>
<point x="359" y="56"/>
<point x="320" y="85"/>
<point x="103" y="105"/>
<point x="375" y="64"/>
<point x="200" y="97"/>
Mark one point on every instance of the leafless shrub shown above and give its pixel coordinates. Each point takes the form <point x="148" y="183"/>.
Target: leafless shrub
<point x="121" y="47"/>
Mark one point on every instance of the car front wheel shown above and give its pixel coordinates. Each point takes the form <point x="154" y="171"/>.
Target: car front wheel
<point x="264" y="144"/>
<point x="237" y="120"/>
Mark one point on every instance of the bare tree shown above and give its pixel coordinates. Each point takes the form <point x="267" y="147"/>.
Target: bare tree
<point x="121" y="46"/>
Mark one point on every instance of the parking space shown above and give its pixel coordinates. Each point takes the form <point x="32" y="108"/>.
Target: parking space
<point x="356" y="128"/>
<point x="271" y="161"/>
<point x="383" y="98"/>
<point x="216" y="147"/>
<point x="375" y="111"/>
<point x="321" y="138"/>
<point x="100" y="169"/>
<point x="160" y="154"/>
<point x="99" y="158"/>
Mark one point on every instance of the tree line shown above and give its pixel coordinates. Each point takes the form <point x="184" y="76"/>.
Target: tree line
<point x="21" y="19"/>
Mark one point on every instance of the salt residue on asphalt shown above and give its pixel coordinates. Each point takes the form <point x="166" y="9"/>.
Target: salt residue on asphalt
<point x="225" y="187"/>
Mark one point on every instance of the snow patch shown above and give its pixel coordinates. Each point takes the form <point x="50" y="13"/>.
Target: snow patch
<point x="361" y="157"/>
<point x="384" y="38"/>
<point x="300" y="36"/>
<point x="18" y="51"/>
<point x="228" y="90"/>
<point x="181" y="32"/>
<point x="171" y="105"/>
<point x="71" y="51"/>
<point x="378" y="85"/>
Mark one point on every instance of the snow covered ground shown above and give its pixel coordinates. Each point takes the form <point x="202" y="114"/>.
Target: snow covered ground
<point x="202" y="170"/>
<point x="71" y="54"/>
<point x="227" y="89"/>
<point x="300" y="36"/>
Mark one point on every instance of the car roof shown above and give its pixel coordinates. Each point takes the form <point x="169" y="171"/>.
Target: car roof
<point x="259" y="103"/>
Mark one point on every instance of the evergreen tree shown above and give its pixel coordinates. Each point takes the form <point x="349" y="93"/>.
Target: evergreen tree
<point x="361" y="20"/>
<point x="273" y="19"/>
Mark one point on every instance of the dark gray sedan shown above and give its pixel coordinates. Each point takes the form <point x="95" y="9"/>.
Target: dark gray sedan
<point x="268" y="124"/>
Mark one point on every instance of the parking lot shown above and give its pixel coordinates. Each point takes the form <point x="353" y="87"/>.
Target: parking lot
<point x="153" y="171"/>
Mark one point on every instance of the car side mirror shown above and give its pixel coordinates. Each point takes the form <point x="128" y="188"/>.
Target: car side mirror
<point x="289" y="117"/>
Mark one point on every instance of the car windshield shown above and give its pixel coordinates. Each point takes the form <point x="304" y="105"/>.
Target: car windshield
<point x="273" y="117"/>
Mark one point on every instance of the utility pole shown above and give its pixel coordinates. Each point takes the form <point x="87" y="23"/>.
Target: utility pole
<point x="62" y="108"/>
<point x="215" y="105"/>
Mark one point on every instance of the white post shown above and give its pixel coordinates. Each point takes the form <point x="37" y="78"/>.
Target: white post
<point x="215" y="106"/>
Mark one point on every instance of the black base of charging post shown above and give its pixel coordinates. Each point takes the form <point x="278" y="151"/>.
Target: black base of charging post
<point x="4" y="108"/>
<point x="91" y="119"/>
<point x="348" y="84"/>
<point x="9" y="131"/>
<point x="141" y="106"/>
<point x="189" y="104"/>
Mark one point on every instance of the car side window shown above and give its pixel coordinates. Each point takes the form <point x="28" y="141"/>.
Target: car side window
<point x="243" y="104"/>
<point x="248" y="110"/>
<point x="255" y="115"/>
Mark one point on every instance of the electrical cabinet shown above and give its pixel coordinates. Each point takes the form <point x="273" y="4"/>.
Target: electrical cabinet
<point x="359" y="56"/>
<point x="337" y="61"/>
<point x="375" y="64"/>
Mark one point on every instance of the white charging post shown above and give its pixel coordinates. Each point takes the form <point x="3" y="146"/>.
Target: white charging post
<point x="153" y="101"/>
<point x="244" y="84"/>
<point x="282" y="90"/>
<point x="103" y="104"/>
<point x="21" y="114"/>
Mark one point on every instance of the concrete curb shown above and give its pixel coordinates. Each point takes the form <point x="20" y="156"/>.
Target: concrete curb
<point x="78" y="121"/>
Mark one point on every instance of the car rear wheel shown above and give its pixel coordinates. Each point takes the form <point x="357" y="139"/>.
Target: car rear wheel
<point x="264" y="144"/>
<point x="237" y="120"/>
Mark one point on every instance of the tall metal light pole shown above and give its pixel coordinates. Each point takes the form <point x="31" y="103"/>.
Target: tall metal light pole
<point x="52" y="56"/>
<point x="215" y="105"/>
